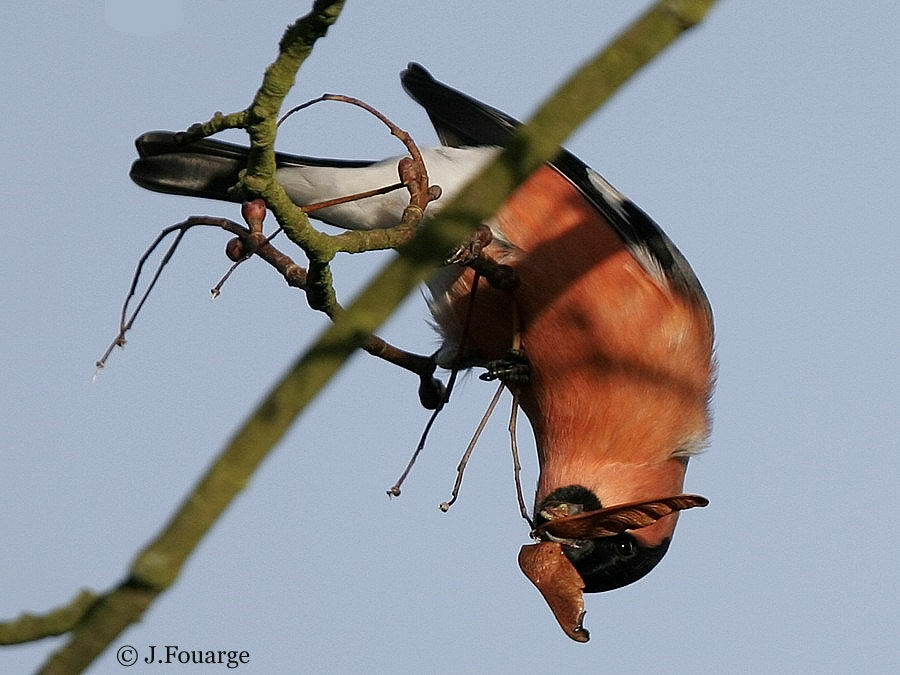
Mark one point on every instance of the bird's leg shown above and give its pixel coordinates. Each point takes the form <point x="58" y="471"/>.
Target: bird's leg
<point x="432" y="392"/>
<point x="513" y="370"/>
<point x="473" y="248"/>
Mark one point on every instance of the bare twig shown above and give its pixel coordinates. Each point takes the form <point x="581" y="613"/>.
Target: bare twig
<point x="249" y="242"/>
<point x="394" y="490"/>
<point x="416" y="178"/>
<point x="461" y="467"/>
<point x="513" y="415"/>
<point x="517" y="468"/>
<point x="126" y="321"/>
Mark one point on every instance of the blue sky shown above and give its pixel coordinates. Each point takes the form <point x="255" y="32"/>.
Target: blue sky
<point x="765" y="143"/>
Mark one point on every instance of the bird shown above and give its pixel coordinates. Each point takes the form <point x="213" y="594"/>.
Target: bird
<point x="615" y="326"/>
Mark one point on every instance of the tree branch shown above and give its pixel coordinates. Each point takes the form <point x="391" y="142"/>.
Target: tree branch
<point x="29" y="627"/>
<point x="159" y="564"/>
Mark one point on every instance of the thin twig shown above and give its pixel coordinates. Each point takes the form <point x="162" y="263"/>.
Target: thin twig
<point x="460" y="469"/>
<point x="328" y="203"/>
<point x="513" y="442"/>
<point x="517" y="468"/>
<point x="414" y="174"/>
<point x="126" y="322"/>
<point x="394" y="490"/>
<point x="308" y="208"/>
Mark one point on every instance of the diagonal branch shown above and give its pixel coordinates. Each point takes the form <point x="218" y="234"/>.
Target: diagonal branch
<point x="159" y="564"/>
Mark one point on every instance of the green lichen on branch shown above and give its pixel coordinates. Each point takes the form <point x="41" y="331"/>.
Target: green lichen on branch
<point x="260" y="119"/>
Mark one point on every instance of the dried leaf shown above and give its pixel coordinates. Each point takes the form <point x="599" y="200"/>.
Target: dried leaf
<point x="560" y="584"/>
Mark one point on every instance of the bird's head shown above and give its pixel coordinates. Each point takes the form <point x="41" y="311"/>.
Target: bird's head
<point x="584" y="547"/>
<point x="606" y="561"/>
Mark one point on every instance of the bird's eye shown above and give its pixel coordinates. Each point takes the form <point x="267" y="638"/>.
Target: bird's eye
<point x="626" y="548"/>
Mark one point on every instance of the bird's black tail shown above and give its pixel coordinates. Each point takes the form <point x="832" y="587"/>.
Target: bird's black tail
<point x="205" y="168"/>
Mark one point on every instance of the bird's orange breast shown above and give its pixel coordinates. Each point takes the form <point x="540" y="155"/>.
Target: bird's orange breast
<point x="621" y="364"/>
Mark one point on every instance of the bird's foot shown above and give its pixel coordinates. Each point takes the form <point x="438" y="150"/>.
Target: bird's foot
<point x="513" y="369"/>
<point x="472" y="249"/>
<point x="471" y="254"/>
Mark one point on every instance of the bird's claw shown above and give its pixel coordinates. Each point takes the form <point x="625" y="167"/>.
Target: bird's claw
<point x="471" y="250"/>
<point x="512" y="369"/>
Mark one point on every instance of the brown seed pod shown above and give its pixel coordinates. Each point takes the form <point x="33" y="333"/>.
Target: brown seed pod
<point x="617" y="519"/>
